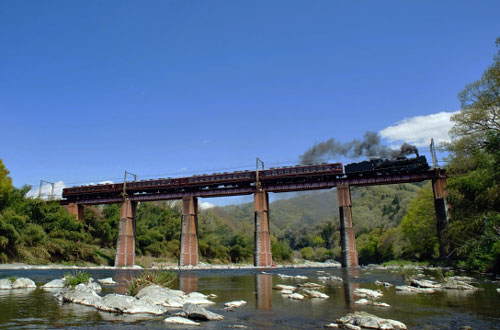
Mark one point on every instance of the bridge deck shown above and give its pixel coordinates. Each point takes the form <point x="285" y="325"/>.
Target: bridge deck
<point x="299" y="184"/>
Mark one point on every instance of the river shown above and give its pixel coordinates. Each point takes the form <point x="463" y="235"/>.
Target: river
<point x="265" y="308"/>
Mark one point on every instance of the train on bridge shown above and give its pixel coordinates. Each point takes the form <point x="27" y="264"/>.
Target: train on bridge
<point x="373" y="167"/>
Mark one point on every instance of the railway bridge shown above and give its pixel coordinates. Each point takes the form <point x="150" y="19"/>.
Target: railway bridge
<point x="258" y="183"/>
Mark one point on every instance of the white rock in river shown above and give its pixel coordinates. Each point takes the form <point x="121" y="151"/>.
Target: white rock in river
<point x="310" y="285"/>
<point x="315" y="294"/>
<point x="386" y="284"/>
<point x="5" y="284"/>
<point x="457" y="285"/>
<point x="330" y="278"/>
<point x="366" y="320"/>
<point x="159" y="295"/>
<point x="95" y="286"/>
<point x="197" y="312"/>
<point x="85" y="295"/>
<point x="130" y="305"/>
<point x="236" y="303"/>
<point x="18" y="283"/>
<point x="106" y="281"/>
<point x="425" y="284"/>
<point x="286" y="292"/>
<point x="54" y="284"/>
<point x="180" y="320"/>
<point x="362" y="302"/>
<point x="197" y="300"/>
<point x="368" y="293"/>
<point x="197" y="295"/>
<point x="412" y="289"/>
<point x="296" y="296"/>
<point x="81" y="294"/>
<point x="284" y="287"/>
<point x="23" y="283"/>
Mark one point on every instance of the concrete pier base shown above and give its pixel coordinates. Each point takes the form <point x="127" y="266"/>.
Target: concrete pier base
<point x="189" y="232"/>
<point x="349" y="255"/>
<point x="262" y="238"/>
<point x="125" y="247"/>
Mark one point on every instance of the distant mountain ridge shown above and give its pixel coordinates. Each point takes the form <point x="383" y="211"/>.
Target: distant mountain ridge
<point x="372" y="207"/>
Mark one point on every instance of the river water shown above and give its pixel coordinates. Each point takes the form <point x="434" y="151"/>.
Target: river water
<point x="265" y="308"/>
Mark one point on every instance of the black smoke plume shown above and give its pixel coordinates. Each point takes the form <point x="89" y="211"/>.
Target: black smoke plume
<point x="369" y="147"/>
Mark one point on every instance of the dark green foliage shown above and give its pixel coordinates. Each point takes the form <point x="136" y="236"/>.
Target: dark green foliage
<point x="280" y="250"/>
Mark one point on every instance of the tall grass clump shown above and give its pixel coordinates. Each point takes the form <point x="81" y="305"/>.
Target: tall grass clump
<point x="77" y="278"/>
<point x="149" y="277"/>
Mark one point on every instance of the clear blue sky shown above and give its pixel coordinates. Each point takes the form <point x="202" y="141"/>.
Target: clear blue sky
<point x="91" y="88"/>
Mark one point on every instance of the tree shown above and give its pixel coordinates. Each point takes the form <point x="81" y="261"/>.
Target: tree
<point x="471" y="237"/>
<point x="419" y="226"/>
<point x="5" y="185"/>
<point x="480" y="110"/>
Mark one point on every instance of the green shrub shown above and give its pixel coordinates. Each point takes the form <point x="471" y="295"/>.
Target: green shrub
<point x="149" y="277"/>
<point x="75" y="279"/>
<point x="307" y="253"/>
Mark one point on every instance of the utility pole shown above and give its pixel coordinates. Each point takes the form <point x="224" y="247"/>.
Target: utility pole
<point x="124" y="194"/>
<point x="257" y="181"/>
<point x="40" y="189"/>
<point x="433" y="154"/>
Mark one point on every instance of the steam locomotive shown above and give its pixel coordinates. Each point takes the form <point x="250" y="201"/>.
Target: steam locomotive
<point x="375" y="166"/>
<point x="379" y="166"/>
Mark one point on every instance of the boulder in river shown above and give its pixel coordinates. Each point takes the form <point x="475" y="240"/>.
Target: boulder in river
<point x="368" y="293"/>
<point x="180" y="320"/>
<point x="17" y="283"/>
<point x="197" y="312"/>
<point x="331" y="278"/>
<point x="130" y="305"/>
<point x="413" y="289"/>
<point x="425" y="284"/>
<point x="366" y="320"/>
<point x="315" y="294"/>
<point x="296" y="296"/>
<point x="284" y="287"/>
<point x="457" y="285"/>
<point x="5" y="284"/>
<point x="159" y="295"/>
<point x="107" y="281"/>
<point x="386" y="284"/>
<point x="310" y="285"/>
<point x="84" y="295"/>
<point x="55" y="284"/>
<point x="467" y="279"/>
<point x="80" y="294"/>
<point x="234" y="304"/>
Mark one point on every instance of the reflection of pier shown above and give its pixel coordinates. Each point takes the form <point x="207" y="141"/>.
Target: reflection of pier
<point x="188" y="282"/>
<point x="350" y="275"/>
<point x="263" y="291"/>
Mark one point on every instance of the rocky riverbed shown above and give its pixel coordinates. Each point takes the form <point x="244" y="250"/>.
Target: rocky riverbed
<point x="277" y="298"/>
